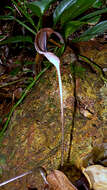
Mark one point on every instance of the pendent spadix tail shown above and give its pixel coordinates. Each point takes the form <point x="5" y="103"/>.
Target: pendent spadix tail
<point x="41" y="48"/>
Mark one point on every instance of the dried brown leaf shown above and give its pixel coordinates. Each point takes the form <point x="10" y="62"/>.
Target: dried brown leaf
<point x="96" y="176"/>
<point x="58" y="181"/>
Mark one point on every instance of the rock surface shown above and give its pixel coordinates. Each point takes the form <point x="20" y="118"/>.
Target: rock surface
<point x="34" y="135"/>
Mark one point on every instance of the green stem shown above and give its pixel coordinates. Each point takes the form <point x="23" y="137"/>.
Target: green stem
<point x="39" y="24"/>
<point x="10" y="83"/>
<point x="24" y="25"/>
<point x="20" y="100"/>
<point x="23" y="10"/>
<point x="94" y="65"/>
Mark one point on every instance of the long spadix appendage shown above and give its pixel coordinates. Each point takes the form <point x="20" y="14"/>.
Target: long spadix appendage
<point x="41" y="48"/>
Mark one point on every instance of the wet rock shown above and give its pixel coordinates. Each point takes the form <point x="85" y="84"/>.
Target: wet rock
<point x="34" y="134"/>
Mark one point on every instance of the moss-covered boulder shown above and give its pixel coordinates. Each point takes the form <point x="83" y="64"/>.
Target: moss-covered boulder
<point x="34" y="134"/>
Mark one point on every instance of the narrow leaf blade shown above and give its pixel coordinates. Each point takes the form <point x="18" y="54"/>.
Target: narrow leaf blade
<point x="6" y="17"/>
<point x="69" y="9"/>
<point x="99" y="28"/>
<point x="93" y="14"/>
<point x="17" y="39"/>
<point x="72" y="26"/>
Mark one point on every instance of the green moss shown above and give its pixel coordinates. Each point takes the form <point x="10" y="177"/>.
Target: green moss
<point x="78" y="71"/>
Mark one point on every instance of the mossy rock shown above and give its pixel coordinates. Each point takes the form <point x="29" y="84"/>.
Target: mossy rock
<point x="34" y="135"/>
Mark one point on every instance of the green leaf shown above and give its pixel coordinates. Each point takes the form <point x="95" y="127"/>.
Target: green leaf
<point x="70" y="9"/>
<point x="1" y="171"/>
<point x="94" y="20"/>
<point x="29" y="62"/>
<point x="6" y="17"/>
<point x="95" y="13"/>
<point x="60" y="51"/>
<point x="15" y="71"/>
<point x="77" y="70"/>
<point x="17" y="39"/>
<point x="100" y="28"/>
<point x="39" y="7"/>
<point x="72" y="26"/>
<point x="23" y="9"/>
<point x="97" y="4"/>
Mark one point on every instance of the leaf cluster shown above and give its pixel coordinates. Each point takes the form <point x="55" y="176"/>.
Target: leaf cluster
<point x="72" y="15"/>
